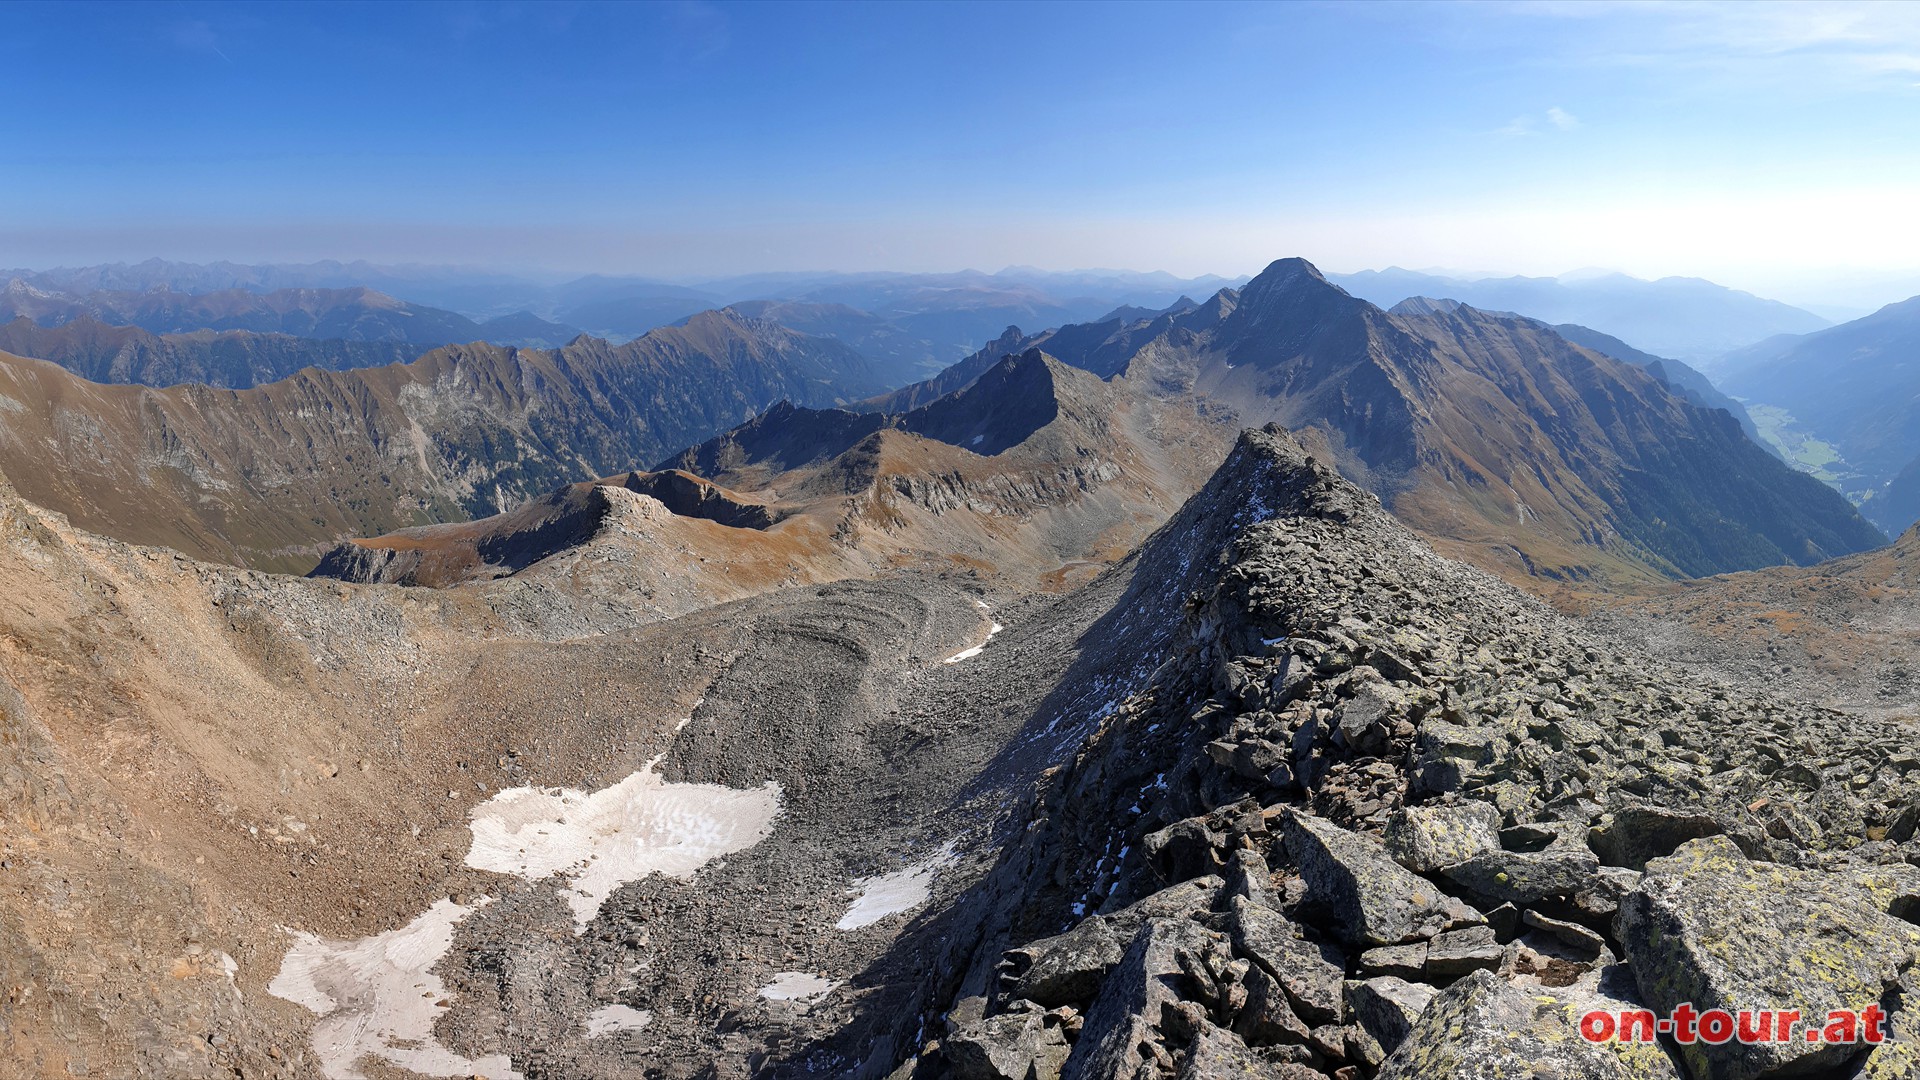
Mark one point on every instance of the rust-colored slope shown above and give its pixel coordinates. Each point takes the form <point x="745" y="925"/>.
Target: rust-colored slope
<point x="272" y="475"/>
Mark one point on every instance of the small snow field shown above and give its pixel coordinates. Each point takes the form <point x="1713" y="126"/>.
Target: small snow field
<point x="612" y="1018"/>
<point x="601" y="840"/>
<point x="796" y="986"/>
<point x="378" y="998"/>
<point x="968" y="654"/>
<point x="890" y="894"/>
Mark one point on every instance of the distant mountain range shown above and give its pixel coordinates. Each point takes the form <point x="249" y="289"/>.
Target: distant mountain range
<point x="1686" y="318"/>
<point x="233" y="359"/>
<point x="1491" y="432"/>
<point x="356" y="314"/>
<point x="236" y="338"/>
<point x="268" y="477"/>
<point x="953" y="313"/>
<point x="1494" y="433"/>
<point x="1848" y="398"/>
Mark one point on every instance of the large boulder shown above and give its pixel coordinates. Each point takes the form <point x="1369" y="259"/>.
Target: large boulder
<point x="1631" y="834"/>
<point x="1382" y="1012"/>
<point x="1173" y="902"/>
<point x="1068" y="968"/>
<point x="1310" y="973"/>
<point x="1435" y="836"/>
<point x="1710" y="928"/>
<point x="1216" y="1054"/>
<point x="1366" y="897"/>
<point x="1063" y="969"/>
<point x="1147" y="1006"/>
<point x="1011" y="1046"/>
<point x="1563" y="869"/>
<point x="1483" y="1028"/>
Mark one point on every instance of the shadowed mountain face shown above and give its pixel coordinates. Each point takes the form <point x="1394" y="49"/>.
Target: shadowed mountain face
<point x="1487" y="431"/>
<point x="570" y="517"/>
<point x="1012" y="399"/>
<point x="1855" y="388"/>
<point x="270" y="476"/>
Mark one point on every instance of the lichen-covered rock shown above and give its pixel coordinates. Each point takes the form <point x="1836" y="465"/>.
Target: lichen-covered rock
<point x="1065" y="968"/>
<point x="1525" y="877"/>
<point x="1011" y="1046"/>
<point x="1364" y="896"/>
<point x="1457" y="952"/>
<point x="1266" y="1017"/>
<point x="1433" y="837"/>
<point x="1710" y="928"/>
<point x="1185" y="849"/>
<point x="1247" y="875"/>
<point x="1310" y="973"/>
<point x="1898" y="1058"/>
<point x="1216" y="1054"/>
<point x="1406" y="961"/>
<point x="1382" y="1010"/>
<point x="1446" y="754"/>
<point x="1150" y="988"/>
<point x="1483" y="1028"/>
<point x="1631" y="834"/>
<point x="1173" y="902"/>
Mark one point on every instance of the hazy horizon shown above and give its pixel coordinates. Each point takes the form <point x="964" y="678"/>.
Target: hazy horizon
<point x="1763" y="148"/>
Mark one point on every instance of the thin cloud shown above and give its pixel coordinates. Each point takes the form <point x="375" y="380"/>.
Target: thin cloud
<point x="1527" y="125"/>
<point x="1833" y="45"/>
<point x="701" y="30"/>
<point x="198" y="36"/>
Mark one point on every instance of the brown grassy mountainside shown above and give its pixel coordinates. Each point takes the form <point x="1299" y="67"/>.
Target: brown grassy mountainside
<point x="1845" y="632"/>
<point x="1036" y="475"/>
<point x="104" y="353"/>
<point x="271" y="476"/>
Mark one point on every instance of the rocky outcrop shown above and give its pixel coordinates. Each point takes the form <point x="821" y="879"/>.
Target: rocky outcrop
<point x="437" y="556"/>
<point x="689" y="496"/>
<point x="1447" y="823"/>
<point x="1486" y="1028"/>
<point x="1710" y="928"/>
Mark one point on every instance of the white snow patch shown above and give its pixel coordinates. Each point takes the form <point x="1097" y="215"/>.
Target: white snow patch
<point x="377" y="998"/>
<point x="611" y="1018"/>
<point x="600" y="841"/>
<point x="891" y="894"/>
<point x="968" y="654"/>
<point x="795" y="986"/>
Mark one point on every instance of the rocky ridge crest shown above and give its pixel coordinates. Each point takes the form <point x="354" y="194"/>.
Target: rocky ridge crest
<point x="1378" y="814"/>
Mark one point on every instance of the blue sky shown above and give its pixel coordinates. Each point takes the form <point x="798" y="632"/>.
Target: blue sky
<point x="1756" y="144"/>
